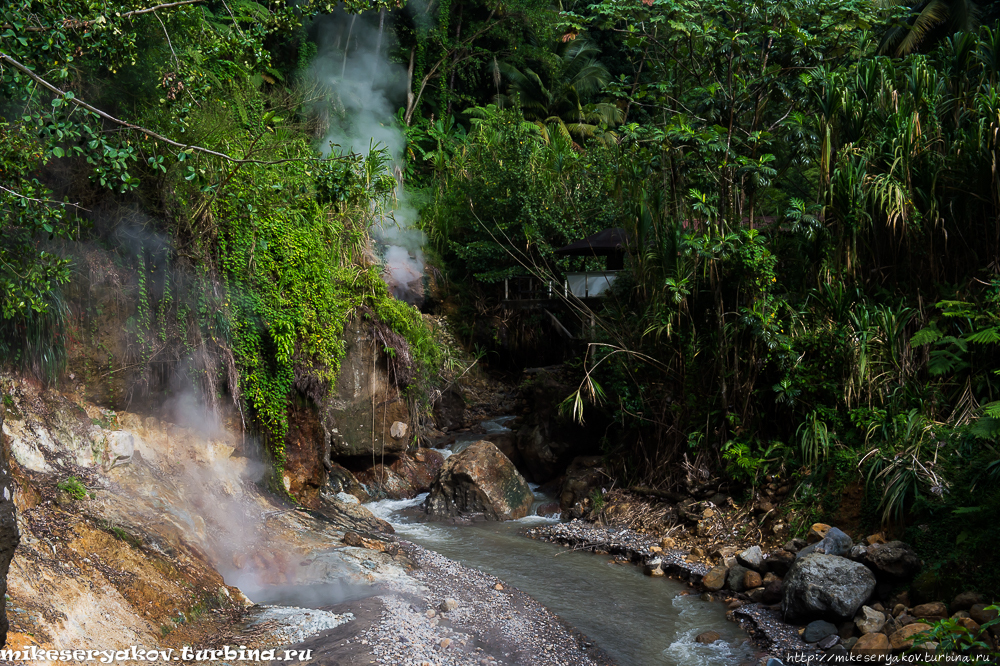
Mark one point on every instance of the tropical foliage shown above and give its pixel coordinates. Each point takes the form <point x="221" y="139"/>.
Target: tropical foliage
<point x="809" y="190"/>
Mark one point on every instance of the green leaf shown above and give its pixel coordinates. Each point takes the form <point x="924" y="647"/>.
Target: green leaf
<point x="58" y="152"/>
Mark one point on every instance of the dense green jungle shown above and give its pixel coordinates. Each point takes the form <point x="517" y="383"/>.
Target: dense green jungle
<point x="808" y="191"/>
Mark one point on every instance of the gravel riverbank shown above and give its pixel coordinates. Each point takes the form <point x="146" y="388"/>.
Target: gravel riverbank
<point x="453" y="616"/>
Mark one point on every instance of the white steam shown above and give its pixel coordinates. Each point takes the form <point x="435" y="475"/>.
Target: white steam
<point x="362" y="89"/>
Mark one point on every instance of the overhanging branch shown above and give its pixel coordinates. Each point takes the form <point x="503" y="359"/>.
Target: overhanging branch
<point x="148" y="132"/>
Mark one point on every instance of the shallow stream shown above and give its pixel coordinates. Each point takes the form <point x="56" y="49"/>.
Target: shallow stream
<point x="635" y="619"/>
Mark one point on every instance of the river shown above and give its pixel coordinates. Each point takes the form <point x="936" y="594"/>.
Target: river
<point x="635" y="619"/>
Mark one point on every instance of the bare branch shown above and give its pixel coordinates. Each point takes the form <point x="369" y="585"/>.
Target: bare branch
<point x="43" y="201"/>
<point x="148" y="132"/>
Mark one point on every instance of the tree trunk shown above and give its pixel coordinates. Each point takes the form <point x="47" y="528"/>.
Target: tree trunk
<point x="9" y="537"/>
<point x="454" y="67"/>
<point x="410" y="97"/>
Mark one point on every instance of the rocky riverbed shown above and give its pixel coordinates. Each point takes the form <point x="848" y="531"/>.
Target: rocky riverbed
<point x="762" y="623"/>
<point x="821" y="597"/>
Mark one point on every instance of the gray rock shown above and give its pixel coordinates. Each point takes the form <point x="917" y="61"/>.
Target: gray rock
<point x="821" y="586"/>
<point x="966" y="600"/>
<point x="795" y="545"/>
<point x="828" y="642"/>
<point x="734" y="579"/>
<point x="365" y="401"/>
<point x="779" y="562"/>
<point x="894" y="560"/>
<point x="834" y="543"/>
<point x="818" y="630"/>
<point x="448" y="605"/>
<point x="869" y="620"/>
<point x="752" y="558"/>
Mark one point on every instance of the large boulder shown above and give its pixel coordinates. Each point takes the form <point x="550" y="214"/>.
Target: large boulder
<point x="9" y="536"/>
<point x="480" y="480"/>
<point x="402" y="477"/>
<point x="383" y="482"/>
<point x="420" y="468"/>
<point x="820" y="586"/>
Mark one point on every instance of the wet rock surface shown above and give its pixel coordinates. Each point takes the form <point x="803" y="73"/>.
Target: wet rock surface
<point x="583" y="475"/>
<point x="769" y="632"/>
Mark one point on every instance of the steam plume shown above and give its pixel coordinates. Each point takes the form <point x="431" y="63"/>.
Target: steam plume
<point x="363" y="84"/>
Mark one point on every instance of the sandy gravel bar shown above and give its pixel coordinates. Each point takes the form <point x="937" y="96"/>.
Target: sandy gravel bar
<point x="618" y="541"/>
<point x="770" y="633"/>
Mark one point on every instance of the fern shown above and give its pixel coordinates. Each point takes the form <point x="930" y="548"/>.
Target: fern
<point x="985" y="428"/>
<point x="986" y="336"/>
<point x="925" y="336"/>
